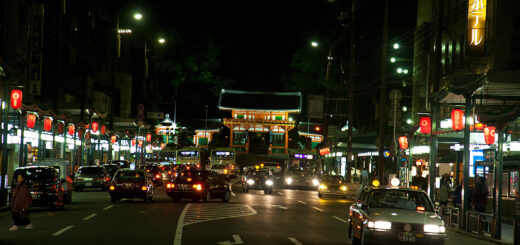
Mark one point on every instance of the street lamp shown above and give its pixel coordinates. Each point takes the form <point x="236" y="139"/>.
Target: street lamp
<point x="405" y="71"/>
<point x="409" y="121"/>
<point x="314" y="44"/>
<point x="393" y="59"/>
<point x="405" y="108"/>
<point x="396" y="45"/>
<point x="161" y="40"/>
<point x="399" y="70"/>
<point x="138" y="16"/>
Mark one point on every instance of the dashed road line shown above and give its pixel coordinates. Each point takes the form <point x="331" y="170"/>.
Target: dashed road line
<point x="90" y="216"/>
<point x="289" y="197"/>
<point x="62" y="230"/>
<point x="233" y="194"/>
<point x="293" y="240"/>
<point x="302" y="202"/>
<point x="280" y="193"/>
<point x="340" y="219"/>
<point x="319" y="209"/>
<point x="180" y="224"/>
<point x="280" y="206"/>
<point x="108" y="207"/>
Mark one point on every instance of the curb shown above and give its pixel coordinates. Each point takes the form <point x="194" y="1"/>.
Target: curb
<point x="476" y="236"/>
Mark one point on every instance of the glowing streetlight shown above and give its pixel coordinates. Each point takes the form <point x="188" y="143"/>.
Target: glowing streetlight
<point x="409" y="121"/>
<point x="399" y="70"/>
<point x="314" y="44"/>
<point x="405" y="108"/>
<point x="393" y="59"/>
<point x="396" y="45"/>
<point x="161" y="40"/>
<point x="138" y="16"/>
<point x="405" y="71"/>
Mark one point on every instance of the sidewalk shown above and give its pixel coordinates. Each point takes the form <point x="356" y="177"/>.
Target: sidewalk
<point x="507" y="235"/>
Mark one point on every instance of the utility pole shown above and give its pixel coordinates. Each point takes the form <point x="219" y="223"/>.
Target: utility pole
<point x="350" y="90"/>
<point x="382" y="98"/>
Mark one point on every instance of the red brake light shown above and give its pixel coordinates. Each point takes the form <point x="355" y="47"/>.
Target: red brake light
<point x="198" y="187"/>
<point x="198" y="165"/>
<point x="112" y="187"/>
<point x="144" y="188"/>
<point x="169" y="186"/>
<point x="420" y="208"/>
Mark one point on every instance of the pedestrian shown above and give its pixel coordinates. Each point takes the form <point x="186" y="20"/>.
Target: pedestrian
<point x="364" y="177"/>
<point x="480" y="196"/>
<point x="457" y="195"/>
<point x="20" y="202"/>
<point x="444" y="191"/>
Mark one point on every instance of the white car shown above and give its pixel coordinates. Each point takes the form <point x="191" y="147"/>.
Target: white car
<point x="390" y="215"/>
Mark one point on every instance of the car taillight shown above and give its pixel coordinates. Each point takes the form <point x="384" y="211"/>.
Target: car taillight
<point x="420" y="208"/>
<point x="144" y="188"/>
<point x="170" y="186"/>
<point x="189" y="179"/>
<point x="198" y="187"/>
<point x="198" y="165"/>
<point x="157" y="176"/>
<point x="225" y="171"/>
<point x="169" y="172"/>
<point x="112" y="187"/>
<point x="107" y="179"/>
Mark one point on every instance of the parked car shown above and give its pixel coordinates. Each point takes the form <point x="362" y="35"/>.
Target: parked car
<point x="197" y="185"/>
<point x="131" y="184"/>
<point x="91" y="177"/>
<point x="44" y="184"/>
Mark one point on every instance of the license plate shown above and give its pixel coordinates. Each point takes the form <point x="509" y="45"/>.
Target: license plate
<point x="183" y="187"/>
<point x="406" y="237"/>
<point x="88" y="184"/>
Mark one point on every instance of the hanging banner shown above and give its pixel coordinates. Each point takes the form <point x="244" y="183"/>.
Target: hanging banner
<point x="457" y="122"/>
<point x="426" y="125"/>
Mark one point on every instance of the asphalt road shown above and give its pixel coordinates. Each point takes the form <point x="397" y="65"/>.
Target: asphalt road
<point x="286" y="217"/>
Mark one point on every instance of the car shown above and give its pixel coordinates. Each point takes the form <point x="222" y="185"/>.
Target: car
<point x="154" y="173"/>
<point x="168" y="173"/>
<point x="332" y="185"/>
<point x="91" y="177"/>
<point x="302" y="180"/>
<point x="66" y="173"/>
<point x="121" y="163"/>
<point x="45" y="185"/>
<point x="197" y="185"/>
<point x="389" y="215"/>
<point x="129" y="183"/>
<point x="259" y="179"/>
<point x="221" y="170"/>
<point x="111" y="169"/>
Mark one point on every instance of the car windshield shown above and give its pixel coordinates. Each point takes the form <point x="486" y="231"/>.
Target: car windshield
<point x="130" y="175"/>
<point x="188" y="176"/>
<point x="399" y="199"/>
<point x="111" y="167"/>
<point x="90" y="171"/>
<point x="36" y="174"/>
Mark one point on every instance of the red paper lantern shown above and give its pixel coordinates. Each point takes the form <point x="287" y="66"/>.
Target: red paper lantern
<point x="426" y="125"/>
<point x="457" y="117"/>
<point x="95" y="126"/>
<point x="47" y="123"/>
<point x="149" y="137"/>
<point x="31" y="120"/>
<point x="403" y="142"/>
<point x="103" y="129"/>
<point x="140" y="143"/>
<point x="16" y="99"/>
<point x="72" y="129"/>
<point x="133" y="142"/>
<point x="113" y="139"/>
<point x="489" y="135"/>
<point x="60" y="127"/>
<point x="479" y="126"/>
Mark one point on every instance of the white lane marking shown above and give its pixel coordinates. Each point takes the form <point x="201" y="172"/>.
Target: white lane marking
<point x="302" y="202"/>
<point x="289" y="197"/>
<point x="280" y="193"/>
<point x="90" y="216"/>
<point x="62" y="230"/>
<point x="319" y="209"/>
<point x="293" y="240"/>
<point x="340" y="219"/>
<point x="236" y="238"/>
<point x="280" y="206"/>
<point x="199" y="212"/>
<point x="233" y="194"/>
<point x="180" y="223"/>
<point x="108" y="207"/>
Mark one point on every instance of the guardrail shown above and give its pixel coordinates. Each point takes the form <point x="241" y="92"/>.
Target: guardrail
<point x="481" y="223"/>
<point x="450" y="215"/>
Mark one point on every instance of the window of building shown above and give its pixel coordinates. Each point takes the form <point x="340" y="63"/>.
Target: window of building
<point x="239" y="138"/>
<point x="278" y="139"/>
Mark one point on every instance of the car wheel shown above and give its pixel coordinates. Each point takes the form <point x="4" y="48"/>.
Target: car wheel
<point x="114" y="199"/>
<point x="206" y="197"/>
<point x="227" y="196"/>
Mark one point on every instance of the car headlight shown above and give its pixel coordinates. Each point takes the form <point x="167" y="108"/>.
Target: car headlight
<point x="434" y="228"/>
<point x="315" y="182"/>
<point x="250" y="182"/>
<point x="383" y="225"/>
<point x="269" y="182"/>
<point x="288" y="180"/>
<point x="344" y="188"/>
<point x="323" y="187"/>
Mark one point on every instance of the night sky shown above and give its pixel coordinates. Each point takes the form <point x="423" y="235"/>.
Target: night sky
<point x="258" y="38"/>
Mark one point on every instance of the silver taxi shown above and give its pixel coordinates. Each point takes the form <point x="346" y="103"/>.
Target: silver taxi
<point x="389" y="215"/>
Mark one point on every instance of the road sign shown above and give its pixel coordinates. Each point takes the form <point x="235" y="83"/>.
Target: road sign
<point x="395" y="95"/>
<point x="140" y="107"/>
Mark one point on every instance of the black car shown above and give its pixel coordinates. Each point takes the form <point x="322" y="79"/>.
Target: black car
<point x="154" y="173"/>
<point x="91" y="177"/>
<point x="198" y="184"/>
<point x="259" y="179"/>
<point x="131" y="184"/>
<point x="111" y="169"/>
<point x="44" y="185"/>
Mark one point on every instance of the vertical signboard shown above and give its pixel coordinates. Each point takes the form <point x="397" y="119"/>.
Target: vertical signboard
<point x="476" y="29"/>
<point x="36" y="46"/>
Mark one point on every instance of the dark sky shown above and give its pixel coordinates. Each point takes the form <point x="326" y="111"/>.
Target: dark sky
<point x="258" y="38"/>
